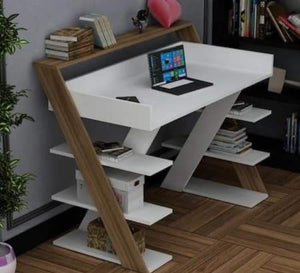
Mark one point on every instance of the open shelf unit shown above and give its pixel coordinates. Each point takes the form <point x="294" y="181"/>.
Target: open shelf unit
<point x="148" y="215"/>
<point x="70" y="106"/>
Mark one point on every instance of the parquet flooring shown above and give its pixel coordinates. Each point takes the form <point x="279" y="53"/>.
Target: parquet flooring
<point x="204" y="235"/>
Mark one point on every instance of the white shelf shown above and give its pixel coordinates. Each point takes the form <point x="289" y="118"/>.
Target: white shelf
<point x="251" y="158"/>
<point x="225" y="193"/>
<point x="77" y="241"/>
<point x="137" y="163"/>
<point x="254" y="115"/>
<point x="96" y="99"/>
<point x="148" y="215"/>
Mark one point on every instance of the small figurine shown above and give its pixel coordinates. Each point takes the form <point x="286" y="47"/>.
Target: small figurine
<point x="141" y="19"/>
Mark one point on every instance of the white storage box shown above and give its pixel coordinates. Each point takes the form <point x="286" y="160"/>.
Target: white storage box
<point x="128" y="188"/>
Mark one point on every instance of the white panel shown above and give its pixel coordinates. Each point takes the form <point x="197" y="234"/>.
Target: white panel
<point x="137" y="163"/>
<point x="148" y="215"/>
<point x="230" y="70"/>
<point x="76" y="241"/>
<point x="225" y="193"/>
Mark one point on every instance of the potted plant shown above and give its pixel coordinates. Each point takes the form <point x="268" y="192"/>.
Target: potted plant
<point x="12" y="185"/>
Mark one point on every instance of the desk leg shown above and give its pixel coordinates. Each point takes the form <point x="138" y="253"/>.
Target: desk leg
<point x="140" y="140"/>
<point x="197" y="143"/>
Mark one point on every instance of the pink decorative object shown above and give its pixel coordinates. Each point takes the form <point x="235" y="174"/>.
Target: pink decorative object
<point x="166" y="12"/>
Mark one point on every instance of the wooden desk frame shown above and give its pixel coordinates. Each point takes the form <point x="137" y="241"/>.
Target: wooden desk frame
<point x="53" y="83"/>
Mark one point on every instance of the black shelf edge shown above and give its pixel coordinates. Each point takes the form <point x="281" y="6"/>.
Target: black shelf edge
<point x="290" y="94"/>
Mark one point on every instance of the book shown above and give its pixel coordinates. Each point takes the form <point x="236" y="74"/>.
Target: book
<point x="116" y="156"/>
<point x="71" y="34"/>
<point x="231" y="129"/>
<point x="109" y="29"/>
<point x="231" y="140"/>
<point x="92" y="21"/>
<point x="69" y="45"/>
<point x="261" y="19"/>
<point x="71" y="54"/>
<point x="243" y="18"/>
<point x="275" y="10"/>
<point x="295" y="19"/>
<point x="104" y="147"/>
<point x="239" y="110"/>
<point x="228" y="143"/>
<point x="238" y="149"/>
<point x="284" y="19"/>
<point x="105" y="30"/>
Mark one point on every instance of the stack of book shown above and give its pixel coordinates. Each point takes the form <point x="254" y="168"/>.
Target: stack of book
<point x="112" y="151"/>
<point x="260" y="18"/>
<point x="230" y="139"/>
<point x="240" y="108"/>
<point x="103" y="34"/>
<point x="69" y="43"/>
<point x="292" y="139"/>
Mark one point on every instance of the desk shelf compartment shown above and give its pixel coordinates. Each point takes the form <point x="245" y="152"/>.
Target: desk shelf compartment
<point x="137" y="163"/>
<point x="251" y="158"/>
<point x="148" y="215"/>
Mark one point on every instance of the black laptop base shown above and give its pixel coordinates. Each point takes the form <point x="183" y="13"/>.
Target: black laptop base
<point x="183" y="89"/>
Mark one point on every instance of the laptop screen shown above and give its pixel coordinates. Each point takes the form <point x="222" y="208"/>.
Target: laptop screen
<point x="167" y="65"/>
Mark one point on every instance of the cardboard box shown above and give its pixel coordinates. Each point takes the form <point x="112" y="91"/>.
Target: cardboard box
<point x="128" y="188"/>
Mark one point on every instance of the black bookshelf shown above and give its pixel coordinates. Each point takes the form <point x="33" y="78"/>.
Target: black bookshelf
<point x="286" y="55"/>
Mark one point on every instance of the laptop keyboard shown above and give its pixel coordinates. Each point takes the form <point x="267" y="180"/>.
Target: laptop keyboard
<point x="178" y="83"/>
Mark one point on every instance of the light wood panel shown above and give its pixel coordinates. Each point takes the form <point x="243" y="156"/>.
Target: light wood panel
<point x="233" y="240"/>
<point x="249" y="177"/>
<point x="90" y="167"/>
<point x="184" y="29"/>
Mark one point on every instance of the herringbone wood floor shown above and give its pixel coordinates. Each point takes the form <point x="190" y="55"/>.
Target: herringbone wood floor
<point x="205" y="235"/>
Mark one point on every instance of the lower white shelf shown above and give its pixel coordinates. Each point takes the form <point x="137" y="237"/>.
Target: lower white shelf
<point x="251" y="158"/>
<point x="225" y="193"/>
<point x="137" y="163"/>
<point x="148" y="215"/>
<point x="77" y="241"/>
<point x="254" y="115"/>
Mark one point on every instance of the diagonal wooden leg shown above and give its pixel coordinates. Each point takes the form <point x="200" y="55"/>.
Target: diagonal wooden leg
<point x="249" y="177"/>
<point x="197" y="143"/>
<point x="90" y="167"/>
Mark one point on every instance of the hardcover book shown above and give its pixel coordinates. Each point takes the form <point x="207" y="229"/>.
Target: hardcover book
<point x="71" y="34"/>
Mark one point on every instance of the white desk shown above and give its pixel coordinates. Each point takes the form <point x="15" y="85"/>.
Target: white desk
<point x="230" y="70"/>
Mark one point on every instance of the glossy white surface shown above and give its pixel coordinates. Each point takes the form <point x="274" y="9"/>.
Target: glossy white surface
<point x="251" y="158"/>
<point x="230" y="70"/>
<point x="225" y="193"/>
<point x="137" y="163"/>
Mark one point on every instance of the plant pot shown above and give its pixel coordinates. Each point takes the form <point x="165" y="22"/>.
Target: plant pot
<point x="8" y="261"/>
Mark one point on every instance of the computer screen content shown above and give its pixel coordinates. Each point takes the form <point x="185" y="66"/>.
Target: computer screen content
<point x="167" y="65"/>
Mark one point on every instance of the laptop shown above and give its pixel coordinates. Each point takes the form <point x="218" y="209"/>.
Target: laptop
<point x="169" y="73"/>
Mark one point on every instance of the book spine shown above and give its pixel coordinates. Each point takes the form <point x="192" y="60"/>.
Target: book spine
<point x="262" y="19"/>
<point x="290" y="25"/>
<point x="298" y="136"/>
<point x="109" y="29"/>
<point x="248" y="19"/>
<point x="288" y="134"/>
<point x="236" y="17"/>
<point x="242" y="18"/>
<point x="105" y="31"/>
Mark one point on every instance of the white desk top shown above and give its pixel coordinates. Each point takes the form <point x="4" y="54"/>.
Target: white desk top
<point x="230" y="70"/>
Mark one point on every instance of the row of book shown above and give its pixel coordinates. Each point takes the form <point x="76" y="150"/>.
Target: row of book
<point x="231" y="139"/>
<point x="292" y="138"/>
<point x="69" y="43"/>
<point x="72" y="42"/>
<point x="112" y="151"/>
<point x="260" y="18"/>
<point x="248" y="18"/>
<point x="103" y="33"/>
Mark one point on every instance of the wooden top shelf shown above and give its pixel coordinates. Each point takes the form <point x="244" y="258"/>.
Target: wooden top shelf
<point x="124" y="40"/>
